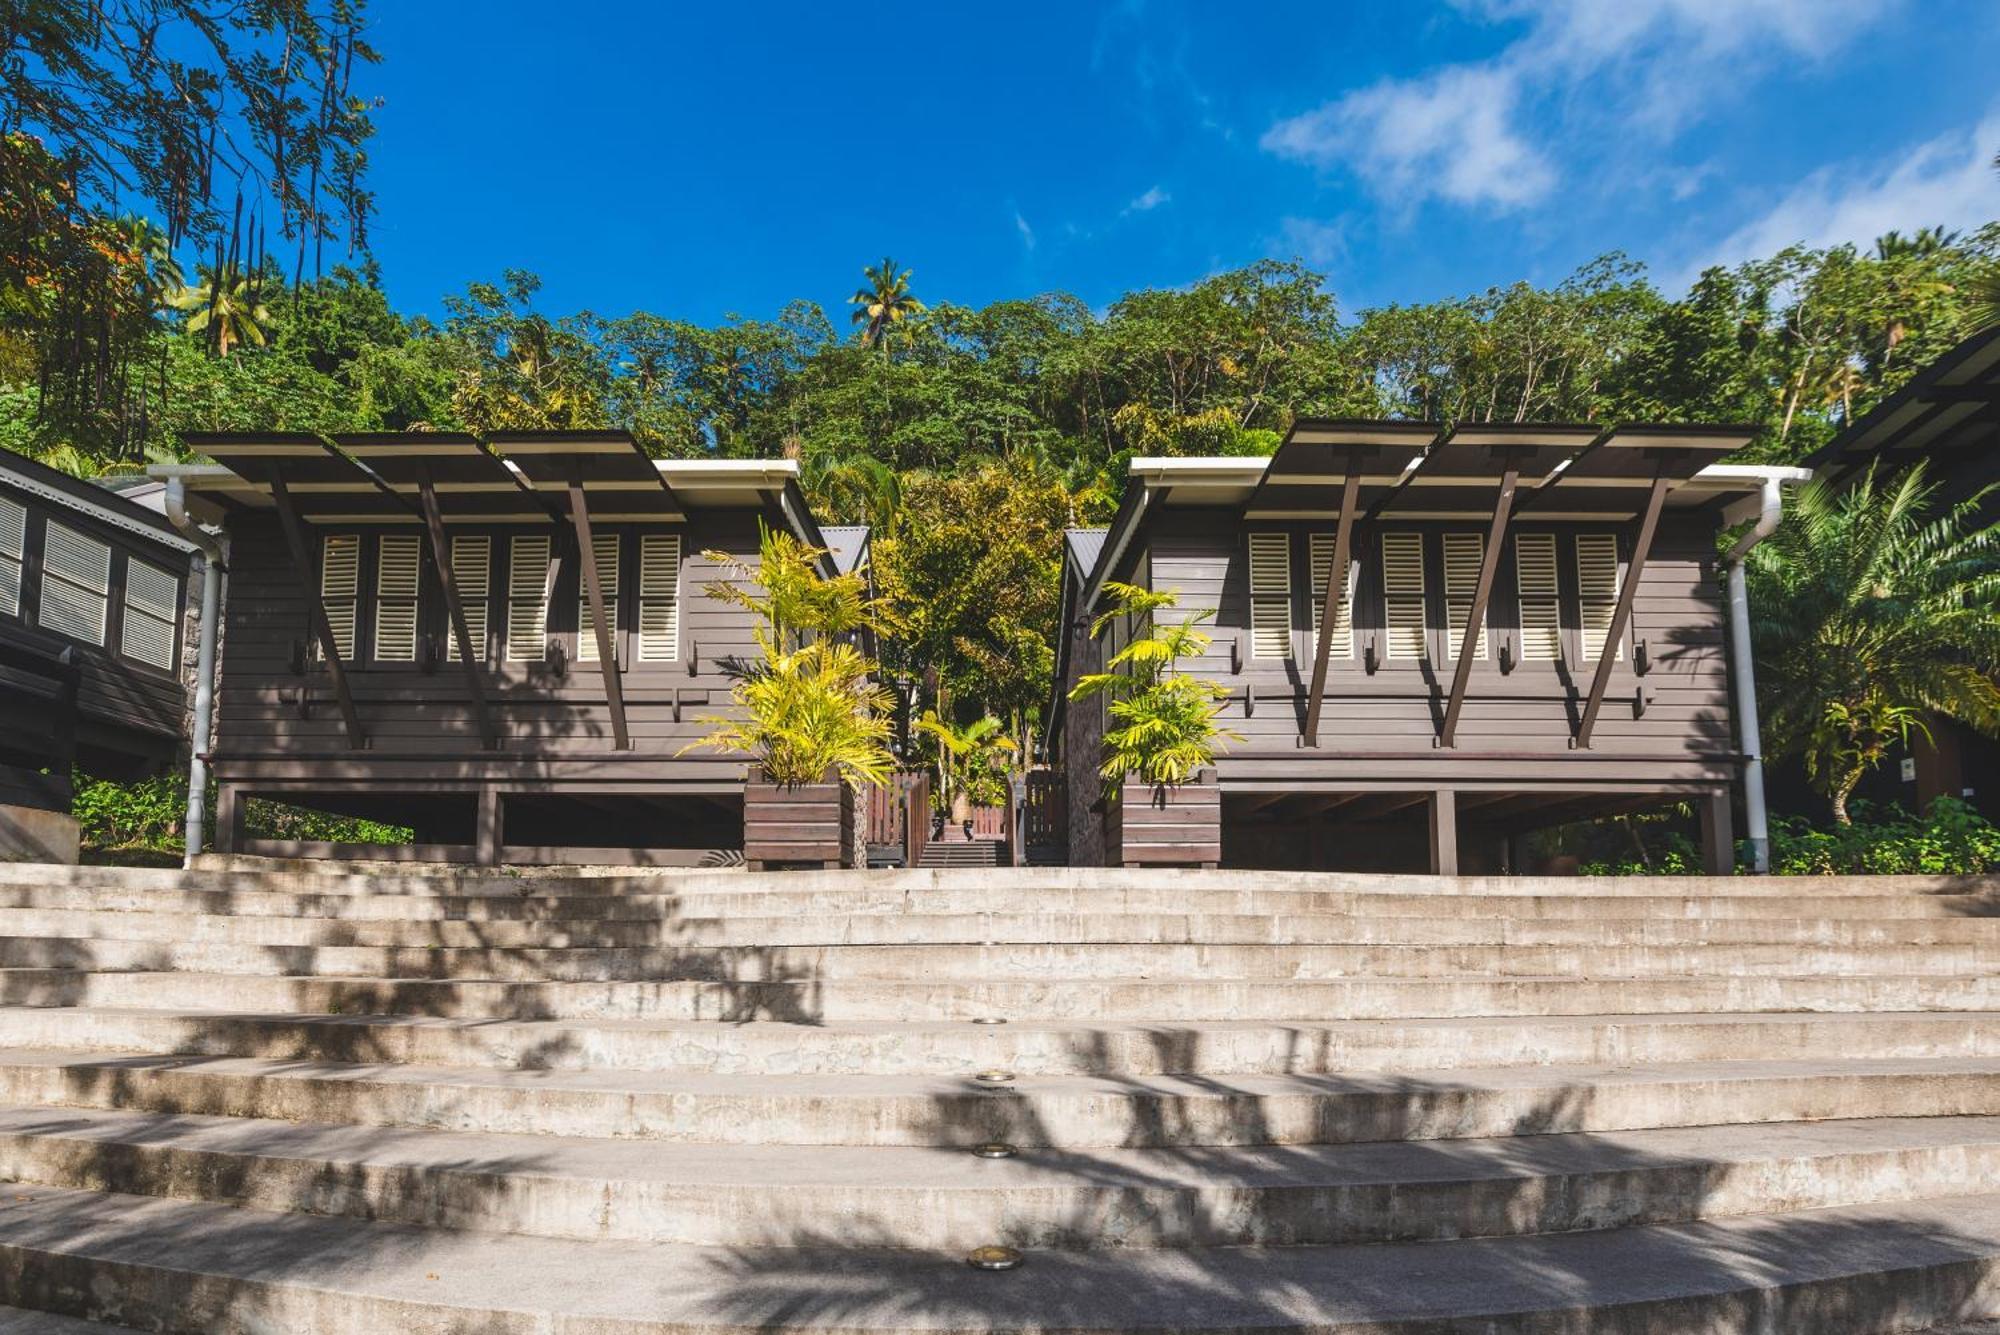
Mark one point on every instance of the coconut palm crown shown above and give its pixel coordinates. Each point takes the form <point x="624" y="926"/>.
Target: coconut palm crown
<point x="883" y="303"/>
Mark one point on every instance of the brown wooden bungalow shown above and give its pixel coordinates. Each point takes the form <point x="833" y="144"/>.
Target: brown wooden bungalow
<point x="1529" y="631"/>
<point x="1948" y="417"/>
<point x="410" y="636"/>
<point x="93" y="594"/>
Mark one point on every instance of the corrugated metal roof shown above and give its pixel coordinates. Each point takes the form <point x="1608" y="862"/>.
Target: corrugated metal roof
<point x="846" y="543"/>
<point x="1085" y="546"/>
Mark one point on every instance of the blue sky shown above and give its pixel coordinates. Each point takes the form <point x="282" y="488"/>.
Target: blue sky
<point x="696" y="160"/>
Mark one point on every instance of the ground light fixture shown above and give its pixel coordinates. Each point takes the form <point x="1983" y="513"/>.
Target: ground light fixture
<point x="993" y="1258"/>
<point x="993" y="1149"/>
<point x="995" y="1077"/>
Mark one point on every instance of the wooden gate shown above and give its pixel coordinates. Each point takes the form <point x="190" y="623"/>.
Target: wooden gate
<point x="1046" y="818"/>
<point x="898" y="816"/>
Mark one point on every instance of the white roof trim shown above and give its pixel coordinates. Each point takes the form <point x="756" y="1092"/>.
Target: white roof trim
<point x="103" y="514"/>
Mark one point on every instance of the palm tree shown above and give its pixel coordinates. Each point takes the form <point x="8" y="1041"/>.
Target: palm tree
<point x="883" y="303"/>
<point x="1869" y="614"/>
<point x="228" y="304"/>
<point x="972" y="760"/>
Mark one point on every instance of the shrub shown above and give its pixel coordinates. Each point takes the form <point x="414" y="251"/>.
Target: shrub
<point x="146" y="814"/>
<point x="1950" y="839"/>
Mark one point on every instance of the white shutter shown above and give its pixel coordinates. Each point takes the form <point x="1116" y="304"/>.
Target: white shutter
<point x="1270" y="595"/>
<point x="1540" y="597"/>
<point x="659" y="597"/>
<point x="152" y="607"/>
<point x="1597" y="590"/>
<point x="13" y="555"/>
<point x="1341" y="644"/>
<point x="607" y="575"/>
<point x="472" y="570"/>
<point x="340" y="588"/>
<point x="1403" y="595"/>
<point x="76" y="584"/>
<point x="397" y="571"/>
<point x="1463" y="553"/>
<point x="527" y="613"/>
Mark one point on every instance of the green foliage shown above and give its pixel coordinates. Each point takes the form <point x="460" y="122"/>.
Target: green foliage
<point x="809" y="708"/>
<point x="147" y="814"/>
<point x="264" y="819"/>
<point x="973" y="761"/>
<point x="1162" y="721"/>
<point x="1868" y="612"/>
<point x="1950" y="839"/>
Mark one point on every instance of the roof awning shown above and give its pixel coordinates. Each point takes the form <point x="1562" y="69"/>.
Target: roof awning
<point x="1307" y="474"/>
<point x="620" y="481"/>
<point x="1460" y="477"/>
<point x="471" y="483"/>
<point x="1950" y="407"/>
<point x="1610" y="480"/>
<point x="325" y="485"/>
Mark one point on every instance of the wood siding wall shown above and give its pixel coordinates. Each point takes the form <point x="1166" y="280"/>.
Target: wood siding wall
<point x="420" y="720"/>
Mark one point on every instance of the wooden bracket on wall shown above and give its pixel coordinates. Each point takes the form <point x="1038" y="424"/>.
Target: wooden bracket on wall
<point x="1621" y="616"/>
<point x="1336" y="589"/>
<point x="307" y="566"/>
<point x="474" y="664"/>
<point x="1475" y="619"/>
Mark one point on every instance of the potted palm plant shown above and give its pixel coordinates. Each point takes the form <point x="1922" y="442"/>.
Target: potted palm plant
<point x="808" y="710"/>
<point x="972" y="764"/>
<point x="1162" y="804"/>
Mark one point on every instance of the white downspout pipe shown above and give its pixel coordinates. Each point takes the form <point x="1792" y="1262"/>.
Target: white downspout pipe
<point x="1744" y="675"/>
<point x="204" y="670"/>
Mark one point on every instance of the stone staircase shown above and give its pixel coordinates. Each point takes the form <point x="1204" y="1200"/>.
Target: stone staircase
<point x="956" y="851"/>
<point x="300" y="1101"/>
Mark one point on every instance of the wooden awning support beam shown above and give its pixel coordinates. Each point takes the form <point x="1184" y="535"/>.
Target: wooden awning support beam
<point x="1336" y="589"/>
<point x="303" y="562"/>
<point x="1621" y="616"/>
<point x="614" y="695"/>
<point x="475" y="682"/>
<point x="1475" y="621"/>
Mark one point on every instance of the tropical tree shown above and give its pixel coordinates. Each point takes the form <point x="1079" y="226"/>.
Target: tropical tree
<point x="227" y="306"/>
<point x="1870" y="613"/>
<point x="883" y="303"/>
<point x="1163" y="721"/>
<point x="972" y="760"/>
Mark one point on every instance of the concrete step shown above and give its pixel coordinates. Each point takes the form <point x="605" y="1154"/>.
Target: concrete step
<point x="526" y="901"/>
<point x="945" y="962"/>
<point x="15" y="1321"/>
<point x="1048" y="1047"/>
<point x="289" y="929"/>
<point x="820" y="1001"/>
<point x="1074" y="1112"/>
<point x="1863" y="1270"/>
<point x="935" y="1198"/>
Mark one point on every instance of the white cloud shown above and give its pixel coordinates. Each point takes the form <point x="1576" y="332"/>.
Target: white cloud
<point x="1599" y="69"/>
<point x="1320" y="244"/>
<point x="1146" y="203"/>
<point x="1027" y="232"/>
<point x="1948" y="181"/>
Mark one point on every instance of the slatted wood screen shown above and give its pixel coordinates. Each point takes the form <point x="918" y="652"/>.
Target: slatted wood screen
<point x="398" y="566"/>
<point x="472" y="569"/>
<point x="1403" y="595"/>
<point x="1540" y="597"/>
<point x="76" y="584"/>
<point x="152" y="609"/>
<point x="13" y="555"/>
<point x="1341" y="643"/>
<point x="527" y="610"/>
<point x="1270" y="595"/>
<point x="659" y="597"/>
<point x="606" y="545"/>
<point x="1597" y="590"/>
<point x="340" y="588"/>
<point x="1463" y="553"/>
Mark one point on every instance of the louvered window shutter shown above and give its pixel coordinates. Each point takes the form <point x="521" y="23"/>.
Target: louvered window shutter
<point x="1463" y="553"/>
<point x="1270" y="595"/>
<point x="1403" y="595"/>
<point x="659" y="597"/>
<point x="152" y="609"/>
<point x="607" y="576"/>
<point x="397" y="569"/>
<point x="76" y="583"/>
<point x="1597" y="590"/>
<point x="13" y="555"/>
<point x="340" y="588"/>
<point x="1540" y="597"/>
<point x="1341" y="643"/>
<point x="472" y="569"/>
<point x="527" y="613"/>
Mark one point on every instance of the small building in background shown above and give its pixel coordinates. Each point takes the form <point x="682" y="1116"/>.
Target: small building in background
<point x="1528" y="630"/>
<point x="412" y="636"/>
<point x="93" y="612"/>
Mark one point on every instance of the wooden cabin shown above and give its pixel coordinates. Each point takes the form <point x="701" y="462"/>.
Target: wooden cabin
<point x="411" y="636"/>
<point x="1528" y="631"/>
<point x="93" y="602"/>
<point x="1948" y="417"/>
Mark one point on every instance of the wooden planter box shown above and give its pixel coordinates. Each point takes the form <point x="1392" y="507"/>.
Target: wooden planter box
<point x="1165" y="827"/>
<point x="808" y="826"/>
